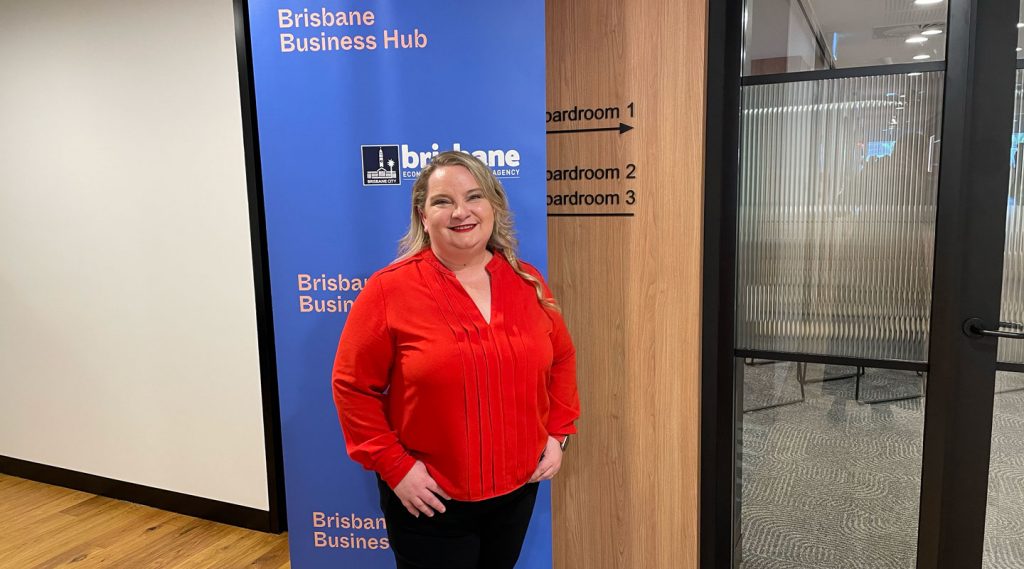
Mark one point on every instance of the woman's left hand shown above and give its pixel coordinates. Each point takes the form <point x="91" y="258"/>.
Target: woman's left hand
<point x="550" y="461"/>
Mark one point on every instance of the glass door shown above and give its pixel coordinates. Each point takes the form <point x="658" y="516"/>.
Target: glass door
<point x="865" y="249"/>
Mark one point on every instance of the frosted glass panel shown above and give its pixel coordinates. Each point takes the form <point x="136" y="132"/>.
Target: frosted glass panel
<point x="836" y="216"/>
<point x="1012" y="351"/>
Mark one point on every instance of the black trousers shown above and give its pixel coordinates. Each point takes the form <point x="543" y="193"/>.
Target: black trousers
<point x="470" y="535"/>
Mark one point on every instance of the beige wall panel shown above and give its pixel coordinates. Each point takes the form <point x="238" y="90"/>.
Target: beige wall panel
<point x="627" y="496"/>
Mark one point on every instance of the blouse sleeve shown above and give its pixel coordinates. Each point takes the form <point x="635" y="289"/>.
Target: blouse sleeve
<point x="562" y="394"/>
<point x="360" y="378"/>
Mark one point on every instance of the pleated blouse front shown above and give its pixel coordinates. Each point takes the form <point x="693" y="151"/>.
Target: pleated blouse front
<point x="421" y="375"/>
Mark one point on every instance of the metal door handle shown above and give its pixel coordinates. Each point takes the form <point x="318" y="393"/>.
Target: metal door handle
<point x="932" y="141"/>
<point x="976" y="328"/>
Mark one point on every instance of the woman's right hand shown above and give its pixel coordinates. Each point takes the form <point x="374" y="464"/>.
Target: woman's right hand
<point x="419" y="492"/>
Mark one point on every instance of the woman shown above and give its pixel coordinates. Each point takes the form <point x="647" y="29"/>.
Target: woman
<point x="455" y="378"/>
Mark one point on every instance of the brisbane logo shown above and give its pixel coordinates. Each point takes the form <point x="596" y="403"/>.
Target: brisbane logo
<point x="381" y="166"/>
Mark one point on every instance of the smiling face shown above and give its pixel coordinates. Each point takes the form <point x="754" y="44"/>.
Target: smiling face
<point x="456" y="215"/>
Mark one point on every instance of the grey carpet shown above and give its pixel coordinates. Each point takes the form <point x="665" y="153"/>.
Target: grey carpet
<point x="832" y="483"/>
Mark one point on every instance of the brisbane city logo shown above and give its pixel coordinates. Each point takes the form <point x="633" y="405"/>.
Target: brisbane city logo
<point x="390" y="164"/>
<point x="381" y="165"/>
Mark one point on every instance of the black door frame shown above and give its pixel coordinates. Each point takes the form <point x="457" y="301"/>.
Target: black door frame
<point x="973" y="175"/>
<point x="977" y="121"/>
<point x="718" y="476"/>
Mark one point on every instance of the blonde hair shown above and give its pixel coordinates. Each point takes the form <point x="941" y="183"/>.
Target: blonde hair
<point x="503" y="239"/>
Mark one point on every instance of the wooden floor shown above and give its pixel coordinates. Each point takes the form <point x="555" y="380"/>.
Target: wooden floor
<point x="45" y="527"/>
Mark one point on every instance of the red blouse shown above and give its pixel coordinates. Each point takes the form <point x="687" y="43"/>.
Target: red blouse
<point x="420" y="375"/>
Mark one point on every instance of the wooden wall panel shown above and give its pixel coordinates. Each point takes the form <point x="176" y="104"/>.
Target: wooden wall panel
<point x="627" y="497"/>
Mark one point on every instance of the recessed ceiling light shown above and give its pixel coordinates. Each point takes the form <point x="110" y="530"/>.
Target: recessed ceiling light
<point x="931" y="32"/>
<point x="914" y="74"/>
<point x="1020" y="24"/>
<point x="922" y="56"/>
<point x="926" y="2"/>
<point x="917" y="39"/>
<point x="1020" y="49"/>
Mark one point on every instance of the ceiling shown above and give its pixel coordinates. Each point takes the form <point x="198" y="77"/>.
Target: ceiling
<point x="857" y="33"/>
<point x="874" y="32"/>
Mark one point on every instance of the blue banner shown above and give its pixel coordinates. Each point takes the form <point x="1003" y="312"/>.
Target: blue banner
<point x="353" y="99"/>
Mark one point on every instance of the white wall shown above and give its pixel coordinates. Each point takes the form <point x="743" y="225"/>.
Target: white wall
<point x="778" y="29"/>
<point x="802" y="43"/>
<point x="127" y="325"/>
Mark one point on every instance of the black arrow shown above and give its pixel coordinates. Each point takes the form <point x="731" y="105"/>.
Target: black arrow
<point x="623" y="127"/>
